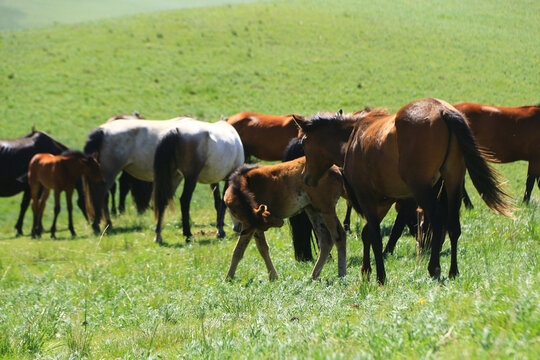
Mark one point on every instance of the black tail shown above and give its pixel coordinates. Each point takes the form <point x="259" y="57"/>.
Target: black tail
<point x="301" y="228"/>
<point x="141" y="191"/>
<point x="164" y="171"/>
<point x="94" y="141"/>
<point x="484" y="178"/>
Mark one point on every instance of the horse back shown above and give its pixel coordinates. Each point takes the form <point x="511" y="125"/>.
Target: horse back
<point x="509" y="133"/>
<point x="264" y="136"/>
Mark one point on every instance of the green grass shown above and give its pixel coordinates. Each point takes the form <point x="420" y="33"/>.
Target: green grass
<point x="121" y="296"/>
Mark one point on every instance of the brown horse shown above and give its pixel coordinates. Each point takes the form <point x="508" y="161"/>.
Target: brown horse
<point x="400" y="156"/>
<point x="509" y="134"/>
<point x="261" y="196"/>
<point x="60" y="173"/>
<point x="264" y="136"/>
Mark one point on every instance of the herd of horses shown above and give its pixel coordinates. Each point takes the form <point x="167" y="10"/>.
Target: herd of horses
<point x="416" y="159"/>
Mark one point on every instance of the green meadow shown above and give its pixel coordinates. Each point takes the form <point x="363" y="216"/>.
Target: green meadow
<point x="119" y="295"/>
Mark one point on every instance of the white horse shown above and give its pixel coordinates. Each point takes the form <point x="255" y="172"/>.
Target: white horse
<point x="131" y="146"/>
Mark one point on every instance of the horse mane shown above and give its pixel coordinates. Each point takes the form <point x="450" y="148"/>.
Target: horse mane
<point x="94" y="141"/>
<point x="325" y="117"/>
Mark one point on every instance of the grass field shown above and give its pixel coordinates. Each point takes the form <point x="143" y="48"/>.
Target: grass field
<point x="121" y="296"/>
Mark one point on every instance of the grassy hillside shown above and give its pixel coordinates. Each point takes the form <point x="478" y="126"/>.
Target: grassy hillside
<point x="22" y="14"/>
<point x="120" y="295"/>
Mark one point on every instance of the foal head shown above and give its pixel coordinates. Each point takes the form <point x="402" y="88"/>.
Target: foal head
<point x="91" y="168"/>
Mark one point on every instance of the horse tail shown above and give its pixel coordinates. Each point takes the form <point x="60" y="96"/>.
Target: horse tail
<point x="301" y="227"/>
<point x="94" y="141"/>
<point x="484" y="178"/>
<point x="164" y="170"/>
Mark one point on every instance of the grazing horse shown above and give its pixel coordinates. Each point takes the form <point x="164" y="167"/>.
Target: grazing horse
<point x="194" y="151"/>
<point x="509" y="134"/>
<point x="140" y="190"/>
<point x="264" y="136"/>
<point x="15" y="155"/>
<point x="261" y="196"/>
<point x="59" y="173"/>
<point x="390" y="157"/>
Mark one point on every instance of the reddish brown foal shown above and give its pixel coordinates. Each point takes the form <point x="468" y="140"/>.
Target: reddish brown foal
<point x="59" y="173"/>
<point x="399" y="156"/>
<point x="509" y="134"/>
<point x="264" y="136"/>
<point x="261" y="196"/>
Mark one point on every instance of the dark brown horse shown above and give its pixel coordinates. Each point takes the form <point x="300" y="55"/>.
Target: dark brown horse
<point x="261" y="196"/>
<point x="59" y="173"/>
<point x="400" y="156"/>
<point x="509" y="134"/>
<point x="264" y="136"/>
<point x="15" y="155"/>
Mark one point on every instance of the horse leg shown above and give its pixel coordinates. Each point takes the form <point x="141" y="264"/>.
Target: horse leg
<point x="185" y="202"/>
<point x="407" y="208"/>
<point x="347" y="220"/>
<point x="433" y="211"/>
<point x="106" y="209"/>
<point x="24" y="206"/>
<point x="35" y="195"/>
<point x="69" y="195"/>
<point x="238" y="253"/>
<point x="81" y="197"/>
<point x="124" y="190"/>
<point x="113" y="195"/>
<point x="218" y="205"/>
<point x="531" y="178"/>
<point x="41" y="209"/>
<point x="56" y="212"/>
<point x="366" y="260"/>
<point x="262" y="246"/>
<point x="466" y="199"/>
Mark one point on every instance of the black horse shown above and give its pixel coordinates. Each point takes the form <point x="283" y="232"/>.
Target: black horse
<point x="15" y="155"/>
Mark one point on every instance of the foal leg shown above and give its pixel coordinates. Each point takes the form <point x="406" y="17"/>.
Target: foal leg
<point x="238" y="252"/>
<point x="35" y="190"/>
<point x="262" y="246"/>
<point x="185" y="202"/>
<point x="325" y="240"/>
<point x="24" y="206"/>
<point x="218" y="205"/>
<point x="69" y="194"/>
<point x="41" y="209"/>
<point x="56" y="212"/>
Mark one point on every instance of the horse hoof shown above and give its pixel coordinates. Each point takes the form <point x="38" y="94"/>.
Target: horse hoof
<point x="435" y="273"/>
<point x="221" y="234"/>
<point x="237" y="227"/>
<point x="158" y="239"/>
<point x="96" y="229"/>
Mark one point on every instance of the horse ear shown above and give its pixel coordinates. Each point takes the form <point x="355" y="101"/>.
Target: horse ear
<point x="95" y="155"/>
<point x="299" y="121"/>
<point x="340" y="112"/>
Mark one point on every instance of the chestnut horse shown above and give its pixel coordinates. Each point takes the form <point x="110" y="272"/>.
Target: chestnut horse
<point x="509" y="134"/>
<point x="59" y="173"/>
<point x="261" y="196"/>
<point x="264" y="136"/>
<point x="15" y="155"/>
<point x="390" y="157"/>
